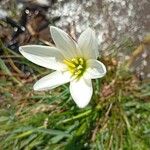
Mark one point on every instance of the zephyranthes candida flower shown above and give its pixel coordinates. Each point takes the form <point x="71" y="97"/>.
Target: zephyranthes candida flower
<point x="74" y="62"/>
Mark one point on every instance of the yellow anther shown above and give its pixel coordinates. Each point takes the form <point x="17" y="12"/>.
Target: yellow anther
<point x="80" y="67"/>
<point x="81" y="61"/>
<point x="75" y="60"/>
<point x="69" y="63"/>
<point x="78" y="72"/>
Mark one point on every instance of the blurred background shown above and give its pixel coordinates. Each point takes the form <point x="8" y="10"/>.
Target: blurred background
<point x="115" y="22"/>
<point x="30" y="120"/>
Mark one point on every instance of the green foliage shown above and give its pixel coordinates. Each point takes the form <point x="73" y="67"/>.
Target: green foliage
<point x="117" y="117"/>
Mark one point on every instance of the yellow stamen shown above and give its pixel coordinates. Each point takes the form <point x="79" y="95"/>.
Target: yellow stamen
<point x="78" y="72"/>
<point x="80" y="67"/>
<point x="76" y="66"/>
<point x="68" y="63"/>
<point x="71" y="70"/>
<point x="75" y="60"/>
<point x="81" y="61"/>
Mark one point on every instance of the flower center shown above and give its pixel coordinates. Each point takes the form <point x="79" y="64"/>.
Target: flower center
<point x="76" y="66"/>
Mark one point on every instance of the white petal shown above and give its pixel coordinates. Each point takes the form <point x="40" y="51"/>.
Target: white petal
<point x="64" y="42"/>
<point x="95" y="69"/>
<point x="88" y="44"/>
<point x="52" y="80"/>
<point x="81" y="91"/>
<point x="45" y="56"/>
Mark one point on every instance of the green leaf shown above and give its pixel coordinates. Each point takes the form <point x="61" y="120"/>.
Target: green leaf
<point x="3" y="118"/>
<point x="4" y="68"/>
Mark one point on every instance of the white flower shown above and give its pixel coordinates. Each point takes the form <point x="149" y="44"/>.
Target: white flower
<point x="73" y="62"/>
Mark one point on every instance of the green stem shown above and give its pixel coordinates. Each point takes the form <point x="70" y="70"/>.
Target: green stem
<point x="76" y="117"/>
